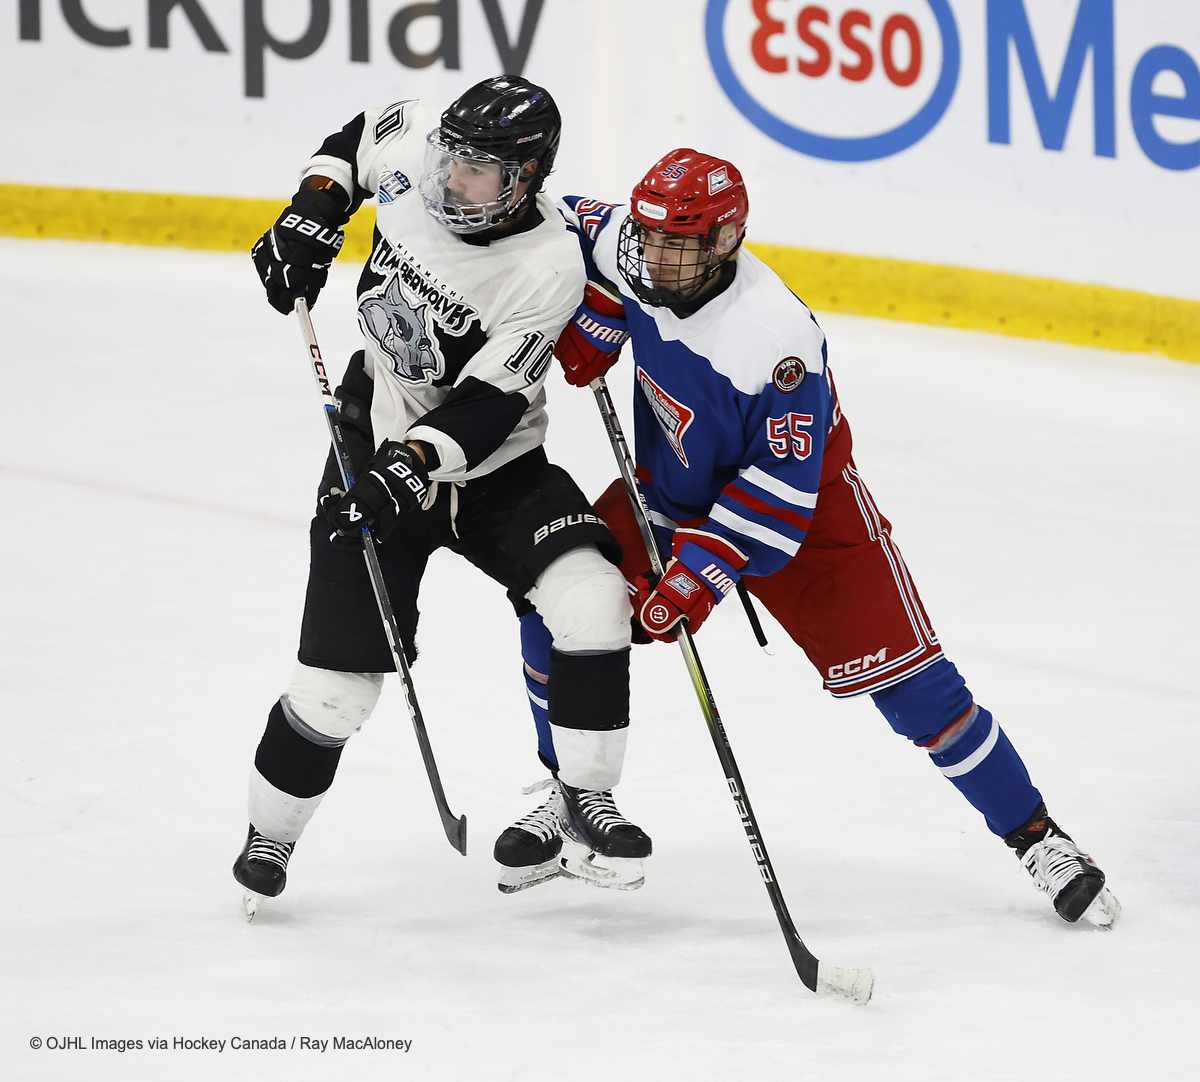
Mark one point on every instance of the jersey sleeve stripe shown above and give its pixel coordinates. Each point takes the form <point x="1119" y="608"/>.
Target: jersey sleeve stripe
<point x="714" y="542"/>
<point x="792" y="518"/>
<point x="778" y="488"/>
<point x="753" y="530"/>
<point x="784" y="528"/>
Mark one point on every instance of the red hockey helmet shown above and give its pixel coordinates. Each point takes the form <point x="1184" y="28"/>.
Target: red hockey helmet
<point x="687" y="216"/>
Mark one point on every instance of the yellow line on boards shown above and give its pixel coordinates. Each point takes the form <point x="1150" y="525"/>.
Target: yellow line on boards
<point x="215" y="223"/>
<point x="1012" y="304"/>
<point x="1026" y="307"/>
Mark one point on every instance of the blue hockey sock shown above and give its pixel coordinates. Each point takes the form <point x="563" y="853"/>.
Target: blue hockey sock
<point x="535" y="653"/>
<point x="934" y="709"/>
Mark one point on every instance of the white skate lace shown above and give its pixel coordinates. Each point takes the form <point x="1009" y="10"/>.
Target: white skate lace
<point x="266" y="851"/>
<point x="1054" y="863"/>
<point x="542" y="821"/>
<point x="597" y="806"/>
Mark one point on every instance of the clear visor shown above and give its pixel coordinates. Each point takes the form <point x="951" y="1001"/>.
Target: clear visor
<point x="467" y="190"/>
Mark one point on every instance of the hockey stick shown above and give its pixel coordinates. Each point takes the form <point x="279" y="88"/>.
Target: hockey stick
<point x="751" y="614"/>
<point x="455" y="828"/>
<point x="853" y="985"/>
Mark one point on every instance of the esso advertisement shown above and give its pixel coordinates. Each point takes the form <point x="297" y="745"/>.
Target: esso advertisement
<point x="867" y="80"/>
<point x="846" y="82"/>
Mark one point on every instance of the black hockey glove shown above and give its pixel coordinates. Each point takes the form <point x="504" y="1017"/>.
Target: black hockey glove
<point x="395" y="481"/>
<point x="293" y="256"/>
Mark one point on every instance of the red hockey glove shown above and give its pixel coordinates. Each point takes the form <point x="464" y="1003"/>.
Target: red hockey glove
<point x="591" y="343"/>
<point x="692" y="584"/>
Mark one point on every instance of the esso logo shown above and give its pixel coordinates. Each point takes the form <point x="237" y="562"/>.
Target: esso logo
<point x="848" y="81"/>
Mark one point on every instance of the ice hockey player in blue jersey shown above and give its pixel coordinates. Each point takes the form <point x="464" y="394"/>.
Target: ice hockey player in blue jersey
<point x="745" y="460"/>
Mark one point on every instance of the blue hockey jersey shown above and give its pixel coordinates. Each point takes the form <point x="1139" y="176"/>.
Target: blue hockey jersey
<point x="733" y="405"/>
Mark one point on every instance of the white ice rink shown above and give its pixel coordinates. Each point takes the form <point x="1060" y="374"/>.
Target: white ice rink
<point x="161" y="444"/>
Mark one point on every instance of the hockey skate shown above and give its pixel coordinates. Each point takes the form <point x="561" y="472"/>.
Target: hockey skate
<point x="527" y="851"/>
<point x="261" y="868"/>
<point x="1064" y="871"/>
<point x="599" y="845"/>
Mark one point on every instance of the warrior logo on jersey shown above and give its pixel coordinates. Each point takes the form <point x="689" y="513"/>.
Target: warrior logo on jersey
<point x="673" y="416"/>
<point x="789" y="374"/>
<point x="401" y="333"/>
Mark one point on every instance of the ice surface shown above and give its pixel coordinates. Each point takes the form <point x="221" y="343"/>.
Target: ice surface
<point x="161" y="443"/>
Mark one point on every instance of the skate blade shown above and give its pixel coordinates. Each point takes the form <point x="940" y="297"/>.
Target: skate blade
<point x="515" y="879"/>
<point x="613" y="873"/>
<point x="250" y="902"/>
<point x="1104" y="910"/>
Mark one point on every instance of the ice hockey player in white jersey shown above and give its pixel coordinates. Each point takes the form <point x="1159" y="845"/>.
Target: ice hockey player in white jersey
<point x="745" y="461"/>
<point x="472" y="276"/>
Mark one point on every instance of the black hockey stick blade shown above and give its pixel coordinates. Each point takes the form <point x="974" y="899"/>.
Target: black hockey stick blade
<point x="456" y="830"/>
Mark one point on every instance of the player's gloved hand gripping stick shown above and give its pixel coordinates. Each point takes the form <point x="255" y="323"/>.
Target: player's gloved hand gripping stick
<point x="853" y="985"/>
<point x="456" y="828"/>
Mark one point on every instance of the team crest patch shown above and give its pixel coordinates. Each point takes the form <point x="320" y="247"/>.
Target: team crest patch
<point x="718" y="180"/>
<point x="789" y="374"/>
<point x="673" y="416"/>
<point x="392" y="186"/>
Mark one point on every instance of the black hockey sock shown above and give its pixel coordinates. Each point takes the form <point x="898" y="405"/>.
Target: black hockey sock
<point x="291" y="763"/>
<point x="589" y="691"/>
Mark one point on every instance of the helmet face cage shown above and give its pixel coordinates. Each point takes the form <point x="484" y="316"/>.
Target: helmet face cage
<point x="465" y="189"/>
<point x="663" y="269"/>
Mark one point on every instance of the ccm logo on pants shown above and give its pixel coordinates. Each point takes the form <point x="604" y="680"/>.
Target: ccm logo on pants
<point x="542" y="532"/>
<point x="859" y="664"/>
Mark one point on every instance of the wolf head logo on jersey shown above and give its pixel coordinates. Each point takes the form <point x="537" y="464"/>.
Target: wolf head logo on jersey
<point x="401" y="332"/>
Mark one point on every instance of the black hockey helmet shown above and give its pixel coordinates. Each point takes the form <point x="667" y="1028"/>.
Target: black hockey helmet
<point x="505" y="120"/>
<point x="510" y="118"/>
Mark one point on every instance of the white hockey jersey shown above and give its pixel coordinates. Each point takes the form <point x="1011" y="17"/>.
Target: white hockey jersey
<point x="459" y="332"/>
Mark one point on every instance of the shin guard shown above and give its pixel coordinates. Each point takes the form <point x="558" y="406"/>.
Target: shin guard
<point x="292" y="763"/>
<point x="588" y="698"/>
<point x="982" y="764"/>
<point x="934" y="709"/>
<point x="535" y="657"/>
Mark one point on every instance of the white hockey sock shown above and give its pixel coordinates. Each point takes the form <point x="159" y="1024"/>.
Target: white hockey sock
<point x="278" y="815"/>
<point x="590" y="758"/>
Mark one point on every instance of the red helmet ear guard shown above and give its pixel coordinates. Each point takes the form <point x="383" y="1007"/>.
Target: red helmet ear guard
<point x="688" y="193"/>
<point x="689" y="196"/>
